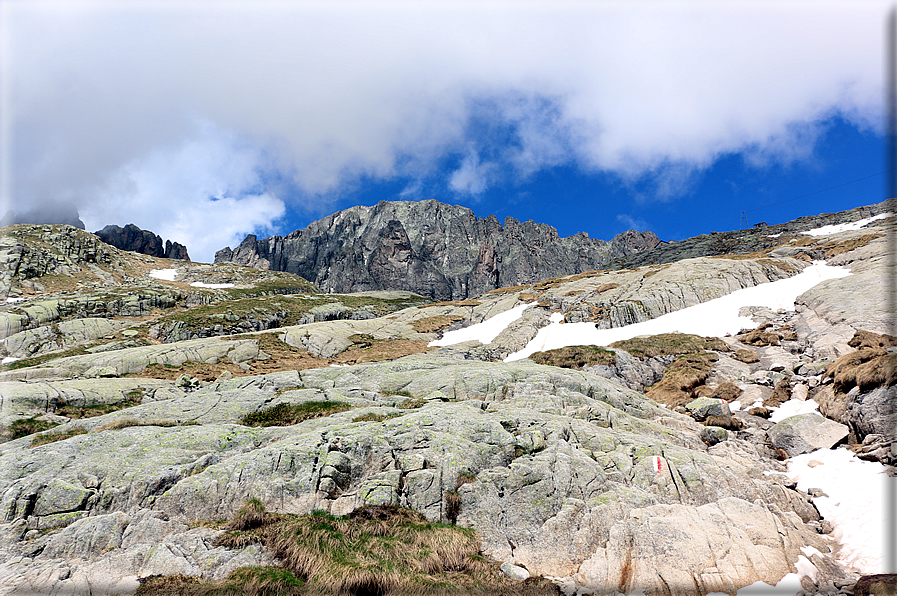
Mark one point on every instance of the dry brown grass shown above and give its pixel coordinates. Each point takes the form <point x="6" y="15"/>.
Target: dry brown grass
<point x="783" y="265"/>
<point x="435" y="323"/>
<point x="751" y="255"/>
<point x="780" y="394"/>
<point x="39" y="440"/>
<point x="760" y="412"/>
<point x="868" y="339"/>
<point x="554" y="282"/>
<point x="250" y="516"/>
<point x="680" y="378"/>
<point x="509" y="289"/>
<point x="746" y="356"/>
<point x="468" y="302"/>
<point x="380" y="351"/>
<point x="759" y="338"/>
<point x="836" y="248"/>
<point x="575" y="357"/>
<point x="727" y="390"/>
<point x="727" y="421"/>
<point x="283" y="356"/>
<point x="866" y="368"/>
<point x="669" y="344"/>
<point x="605" y="287"/>
<point x="374" y="550"/>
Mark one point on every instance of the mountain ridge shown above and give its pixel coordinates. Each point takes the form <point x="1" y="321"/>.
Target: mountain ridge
<point x="434" y="249"/>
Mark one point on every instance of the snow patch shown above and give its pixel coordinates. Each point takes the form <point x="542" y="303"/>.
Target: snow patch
<point x="714" y="318"/>
<point x="9" y="359"/>
<point x="486" y="331"/>
<point x="792" y="407"/>
<point x="8" y="300"/>
<point x="790" y="584"/>
<point x="166" y="274"/>
<point x="836" y="228"/>
<point x="854" y="506"/>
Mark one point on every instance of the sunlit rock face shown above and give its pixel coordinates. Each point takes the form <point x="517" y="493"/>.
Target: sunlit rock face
<point x="437" y="250"/>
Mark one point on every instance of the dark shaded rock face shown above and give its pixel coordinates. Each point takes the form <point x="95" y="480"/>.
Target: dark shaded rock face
<point x="437" y="250"/>
<point x="145" y="242"/>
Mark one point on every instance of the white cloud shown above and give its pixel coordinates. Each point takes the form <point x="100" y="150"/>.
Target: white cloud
<point x="202" y="193"/>
<point x="472" y="177"/>
<point x="332" y="92"/>
<point x="632" y="223"/>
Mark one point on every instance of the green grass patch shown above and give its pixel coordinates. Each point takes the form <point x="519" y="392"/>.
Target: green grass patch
<point x="375" y="417"/>
<point x="29" y="426"/>
<point x="90" y="411"/>
<point x="669" y="344"/>
<point x="285" y="414"/>
<point x="575" y="357"/>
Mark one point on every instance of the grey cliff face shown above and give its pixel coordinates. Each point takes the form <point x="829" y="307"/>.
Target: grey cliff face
<point x="436" y="250"/>
<point x="145" y="242"/>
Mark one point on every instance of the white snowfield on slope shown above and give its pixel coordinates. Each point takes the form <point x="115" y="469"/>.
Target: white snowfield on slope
<point x="714" y="318"/>
<point x="847" y="227"/>
<point x="170" y="274"/>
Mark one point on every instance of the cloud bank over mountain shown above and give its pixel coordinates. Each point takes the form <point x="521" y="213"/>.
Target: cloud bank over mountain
<point x="205" y="121"/>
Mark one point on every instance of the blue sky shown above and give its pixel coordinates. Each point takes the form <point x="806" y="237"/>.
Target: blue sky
<point x="844" y="170"/>
<point x="207" y="121"/>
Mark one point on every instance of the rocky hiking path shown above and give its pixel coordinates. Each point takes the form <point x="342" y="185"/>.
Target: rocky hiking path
<point x="149" y="402"/>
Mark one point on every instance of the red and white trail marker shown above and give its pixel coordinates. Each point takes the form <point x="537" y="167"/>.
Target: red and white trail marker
<point x="657" y="465"/>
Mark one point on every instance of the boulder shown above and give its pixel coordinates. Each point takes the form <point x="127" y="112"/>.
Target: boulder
<point x="703" y="407"/>
<point x="806" y="432"/>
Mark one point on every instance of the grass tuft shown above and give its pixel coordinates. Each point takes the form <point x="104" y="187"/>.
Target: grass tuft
<point x="28" y="426"/>
<point x="867" y="368"/>
<point x="686" y="373"/>
<point x="375" y="417"/>
<point x="868" y="339"/>
<point x="575" y="357"/>
<point x="250" y="516"/>
<point x="759" y="338"/>
<point x="285" y="414"/>
<point x="669" y="344"/>
<point x="746" y="356"/>
<point x="375" y="550"/>
<point x="78" y="412"/>
<point x="53" y="437"/>
<point x="435" y="323"/>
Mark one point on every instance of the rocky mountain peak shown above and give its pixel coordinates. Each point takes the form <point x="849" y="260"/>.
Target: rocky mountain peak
<point x="434" y="249"/>
<point x="145" y="242"/>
